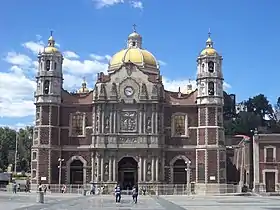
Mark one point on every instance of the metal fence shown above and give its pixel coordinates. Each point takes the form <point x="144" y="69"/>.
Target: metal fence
<point x="147" y="189"/>
<point x="150" y="189"/>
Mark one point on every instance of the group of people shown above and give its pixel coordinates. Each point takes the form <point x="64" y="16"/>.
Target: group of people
<point x="118" y="194"/>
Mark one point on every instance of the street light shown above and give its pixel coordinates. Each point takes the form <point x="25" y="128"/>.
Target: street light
<point x="16" y="151"/>
<point x="188" y="170"/>
<point x="60" y="160"/>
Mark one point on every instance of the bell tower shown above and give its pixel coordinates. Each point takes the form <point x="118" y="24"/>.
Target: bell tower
<point x="210" y="151"/>
<point x="47" y="101"/>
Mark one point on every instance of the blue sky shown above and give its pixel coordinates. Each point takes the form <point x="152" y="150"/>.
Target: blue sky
<point x="246" y="33"/>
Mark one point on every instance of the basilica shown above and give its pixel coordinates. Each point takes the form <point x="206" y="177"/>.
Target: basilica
<point x="129" y="129"/>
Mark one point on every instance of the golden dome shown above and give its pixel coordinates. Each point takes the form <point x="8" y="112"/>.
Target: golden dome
<point x="209" y="50"/>
<point x="137" y="56"/>
<point x="51" y="46"/>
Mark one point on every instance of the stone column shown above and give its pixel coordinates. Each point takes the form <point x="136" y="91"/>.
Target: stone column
<point x="140" y="169"/>
<point x="153" y="169"/>
<point x="157" y="171"/>
<point x="144" y="118"/>
<point x="102" y="119"/>
<point x="111" y="122"/>
<point x="156" y="122"/>
<point x="101" y="169"/>
<point x="153" y="118"/>
<point x="92" y="167"/>
<point x="115" y="120"/>
<point x="110" y="169"/>
<point x="114" y="169"/>
<point x="140" y="121"/>
<point x="97" y="167"/>
<point x="163" y="168"/>
<point x="144" y="168"/>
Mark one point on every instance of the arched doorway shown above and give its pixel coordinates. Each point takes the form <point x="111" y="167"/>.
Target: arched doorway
<point x="76" y="172"/>
<point x="179" y="172"/>
<point x="127" y="172"/>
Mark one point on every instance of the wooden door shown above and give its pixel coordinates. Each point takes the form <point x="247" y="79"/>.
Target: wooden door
<point x="270" y="181"/>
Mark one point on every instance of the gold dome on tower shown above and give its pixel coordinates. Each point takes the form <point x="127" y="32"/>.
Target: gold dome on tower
<point x="50" y="49"/>
<point x="209" y="50"/>
<point x="134" y="53"/>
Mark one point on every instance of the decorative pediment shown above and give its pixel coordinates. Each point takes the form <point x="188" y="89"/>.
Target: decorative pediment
<point x="144" y="92"/>
<point x="102" y="94"/>
<point x="155" y="92"/>
<point x="114" y="92"/>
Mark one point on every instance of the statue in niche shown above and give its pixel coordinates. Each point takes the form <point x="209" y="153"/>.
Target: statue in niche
<point x="149" y="168"/>
<point x="106" y="168"/>
<point x="144" y="90"/>
<point x="107" y="124"/>
<point x="149" y="125"/>
<point x="95" y="169"/>
<point x="114" y="89"/>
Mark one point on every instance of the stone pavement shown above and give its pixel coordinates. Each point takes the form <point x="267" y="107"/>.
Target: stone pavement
<point x="22" y="201"/>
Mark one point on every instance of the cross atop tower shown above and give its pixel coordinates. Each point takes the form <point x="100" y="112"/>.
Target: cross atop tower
<point x="134" y="27"/>
<point x="209" y="33"/>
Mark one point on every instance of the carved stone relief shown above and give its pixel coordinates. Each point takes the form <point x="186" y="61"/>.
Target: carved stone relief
<point x="128" y="121"/>
<point x="149" y="168"/>
<point x="106" y="169"/>
<point x="128" y="140"/>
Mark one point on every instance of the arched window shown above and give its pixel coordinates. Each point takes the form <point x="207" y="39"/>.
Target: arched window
<point x="133" y="44"/>
<point x="211" y="89"/>
<point x="48" y="65"/>
<point x="46" y="87"/>
<point x="203" y="67"/>
<point x="211" y="66"/>
<point x="55" y="66"/>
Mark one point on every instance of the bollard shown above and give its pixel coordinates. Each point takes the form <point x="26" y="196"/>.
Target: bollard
<point x="41" y="197"/>
<point x="84" y="192"/>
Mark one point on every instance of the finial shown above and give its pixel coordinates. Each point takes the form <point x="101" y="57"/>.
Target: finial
<point x="134" y="27"/>
<point x="209" y="33"/>
<point x="51" y="32"/>
<point x="84" y="79"/>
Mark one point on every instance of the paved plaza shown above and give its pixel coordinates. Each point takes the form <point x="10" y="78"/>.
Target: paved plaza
<point x="22" y="201"/>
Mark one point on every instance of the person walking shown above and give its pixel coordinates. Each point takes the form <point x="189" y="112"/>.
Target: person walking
<point x="118" y="193"/>
<point x="135" y="194"/>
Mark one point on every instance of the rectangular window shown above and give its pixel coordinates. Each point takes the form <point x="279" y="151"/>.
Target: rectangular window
<point x="180" y="125"/>
<point x="201" y="172"/>
<point x="34" y="155"/>
<point x="269" y="155"/>
<point x="77" y="124"/>
<point x="34" y="174"/>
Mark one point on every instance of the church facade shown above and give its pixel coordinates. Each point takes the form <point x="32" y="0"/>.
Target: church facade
<point x="129" y="129"/>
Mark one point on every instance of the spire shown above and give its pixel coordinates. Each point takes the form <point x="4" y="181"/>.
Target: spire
<point x="51" y="41"/>
<point x="189" y="86"/>
<point x="134" y="27"/>
<point x="209" y="42"/>
<point x="84" y="88"/>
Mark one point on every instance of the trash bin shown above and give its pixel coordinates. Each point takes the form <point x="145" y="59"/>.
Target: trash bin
<point x="41" y="197"/>
<point x="85" y="192"/>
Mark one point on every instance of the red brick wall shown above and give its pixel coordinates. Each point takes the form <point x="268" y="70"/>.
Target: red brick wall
<point x="43" y="160"/>
<point x="202" y="113"/>
<point x="211" y="116"/>
<point x="201" y="160"/>
<point x="201" y="132"/>
<point x="212" y="135"/>
<point x="212" y="165"/>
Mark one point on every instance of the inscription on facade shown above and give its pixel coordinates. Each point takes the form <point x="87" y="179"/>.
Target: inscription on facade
<point x="128" y="121"/>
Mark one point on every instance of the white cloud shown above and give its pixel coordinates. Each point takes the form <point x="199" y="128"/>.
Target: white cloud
<point x="34" y="47"/>
<point x="162" y="63"/>
<point x="108" y="3"/>
<point x="18" y="59"/>
<point x="70" y="54"/>
<point x="100" y="57"/>
<point x="173" y="85"/>
<point x="137" y="4"/>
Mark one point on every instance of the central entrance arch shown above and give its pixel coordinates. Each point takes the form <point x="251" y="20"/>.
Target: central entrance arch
<point x="127" y="172"/>
<point x="76" y="172"/>
<point x="179" y="172"/>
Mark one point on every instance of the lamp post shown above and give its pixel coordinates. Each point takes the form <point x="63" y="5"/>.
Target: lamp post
<point x="60" y="160"/>
<point x="16" y="151"/>
<point x="188" y="170"/>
